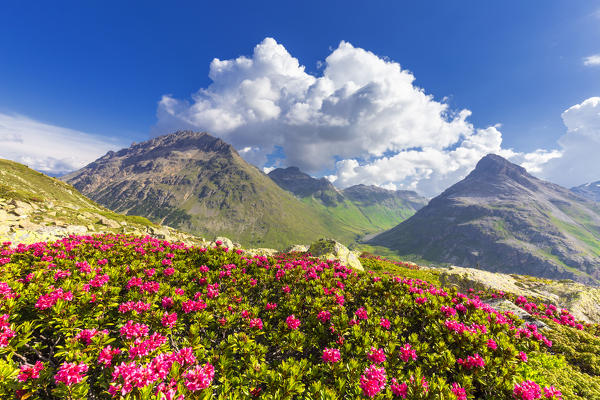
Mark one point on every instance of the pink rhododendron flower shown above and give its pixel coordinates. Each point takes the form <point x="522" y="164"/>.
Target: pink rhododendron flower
<point x="421" y="300"/>
<point x="169" y="320"/>
<point x="523" y="356"/>
<point x="527" y="390"/>
<point x="134" y="330"/>
<point x="399" y="389"/>
<point x="106" y="355"/>
<point x="376" y="356"/>
<point x="373" y="381"/>
<point x="71" y="373"/>
<point x="256" y="323"/>
<point x="324" y="316"/>
<point x="459" y="392"/>
<point x="199" y="378"/>
<point x="407" y="353"/>
<point x="385" y="323"/>
<point x="292" y="322"/>
<point x="550" y="392"/>
<point x="331" y="355"/>
<point x="30" y="371"/>
<point x="492" y="344"/>
<point x="361" y="313"/>
<point x="471" y="362"/>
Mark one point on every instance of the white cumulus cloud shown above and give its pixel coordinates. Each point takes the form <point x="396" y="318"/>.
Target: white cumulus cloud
<point x="363" y="119"/>
<point x="593" y="60"/>
<point x="580" y="146"/>
<point x="48" y="148"/>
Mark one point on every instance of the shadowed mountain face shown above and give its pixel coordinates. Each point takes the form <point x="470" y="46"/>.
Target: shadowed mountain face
<point x="502" y="219"/>
<point x="198" y="183"/>
<point x="590" y="191"/>
<point x="303" y="185"/>
<point x="364" y="209"/>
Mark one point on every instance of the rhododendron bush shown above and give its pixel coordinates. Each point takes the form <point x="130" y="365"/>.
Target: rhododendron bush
<point x="129" y="317"/>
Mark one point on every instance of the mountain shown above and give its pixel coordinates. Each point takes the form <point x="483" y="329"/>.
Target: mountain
<point x="502" y="219"/>
<point x="200" y="184"/>
<point x="35" y="207"/>
<point x="590" y="191"/>
<point x="303" y="185"/>
<point x="363" y="209"/>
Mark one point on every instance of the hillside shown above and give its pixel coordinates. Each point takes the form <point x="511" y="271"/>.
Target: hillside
<point x="126" y="317"/>
<point x="500" y="218"/>
<point x="200" y="184"/>
<point x="363" y="209"/>
<point x="36" y="207"/>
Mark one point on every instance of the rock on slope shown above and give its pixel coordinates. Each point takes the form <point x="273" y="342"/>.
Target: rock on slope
<point x="500" y="218"/>
<point x="200" y="184"/>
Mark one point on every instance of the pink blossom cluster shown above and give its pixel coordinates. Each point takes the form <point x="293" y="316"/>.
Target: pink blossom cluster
<point x="138" y="306"/>
<point x="192" y="306"/>
<point x="6" y="333"/>
<point x="376" y="356"/>
<point x="49" y="300"/>
<point x="169" y="320"/>
<point x="143" y="347"/>
<point x="292" y="322"/>
<point x="134" y="330"/>
<point x="331" y="355"/>
<point x="373" y="381"/>
<point x="474" y="361"/>
<point x="399" y="389"/>
<point x="71" y="373"/>
<point x="199" y="377"/>
<point x="106" y="355"/>
<point x="30" y="371"/>
<point x="407" y="353"/>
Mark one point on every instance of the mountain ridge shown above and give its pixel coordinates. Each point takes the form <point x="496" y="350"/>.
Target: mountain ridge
<point x="502" y="219"/>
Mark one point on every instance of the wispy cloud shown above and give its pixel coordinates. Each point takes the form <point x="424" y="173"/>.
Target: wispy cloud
<point x="49" y="148"/>
<point x="592" y="61"/>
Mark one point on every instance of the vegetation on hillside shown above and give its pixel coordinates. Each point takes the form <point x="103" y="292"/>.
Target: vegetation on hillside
<point x="130" y="317"/>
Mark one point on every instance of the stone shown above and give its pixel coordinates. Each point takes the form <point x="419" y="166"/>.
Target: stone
<point x="261" y="252"/>
<point x="297" y="248"/>
<point x="226" y="242"/>
<point x="330" y="249"/>
<point x="503" y="305"/>
<point x="109" y="222"/>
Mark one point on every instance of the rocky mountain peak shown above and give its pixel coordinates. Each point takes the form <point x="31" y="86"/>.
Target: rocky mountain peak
<point x="493" y="164"/>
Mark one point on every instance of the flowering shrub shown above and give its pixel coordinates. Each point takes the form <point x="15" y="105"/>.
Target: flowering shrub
<point x="132" y="317"/>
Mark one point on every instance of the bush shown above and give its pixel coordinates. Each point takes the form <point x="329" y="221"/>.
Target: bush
<point x="114" y="316"/>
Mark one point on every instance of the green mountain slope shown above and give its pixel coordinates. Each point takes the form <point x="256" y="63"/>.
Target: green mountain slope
<point x="200" y="184"/>
<point x="500" y="218"/>
<point x="361" y="209"/>
<point x="36" y="207"/>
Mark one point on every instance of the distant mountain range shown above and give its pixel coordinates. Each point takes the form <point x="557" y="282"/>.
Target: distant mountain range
<point x="200" y="184"/>
<point x="500" y="218"/>
<point x="362" y="208"/>
<point x="590" y="191"/>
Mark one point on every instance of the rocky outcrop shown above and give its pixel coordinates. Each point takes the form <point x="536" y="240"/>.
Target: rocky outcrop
<point x="582" y="300"/>
<point x="329" y="249"/>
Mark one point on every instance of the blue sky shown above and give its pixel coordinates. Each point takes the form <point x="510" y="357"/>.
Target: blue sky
<point x="102" y="67"/>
